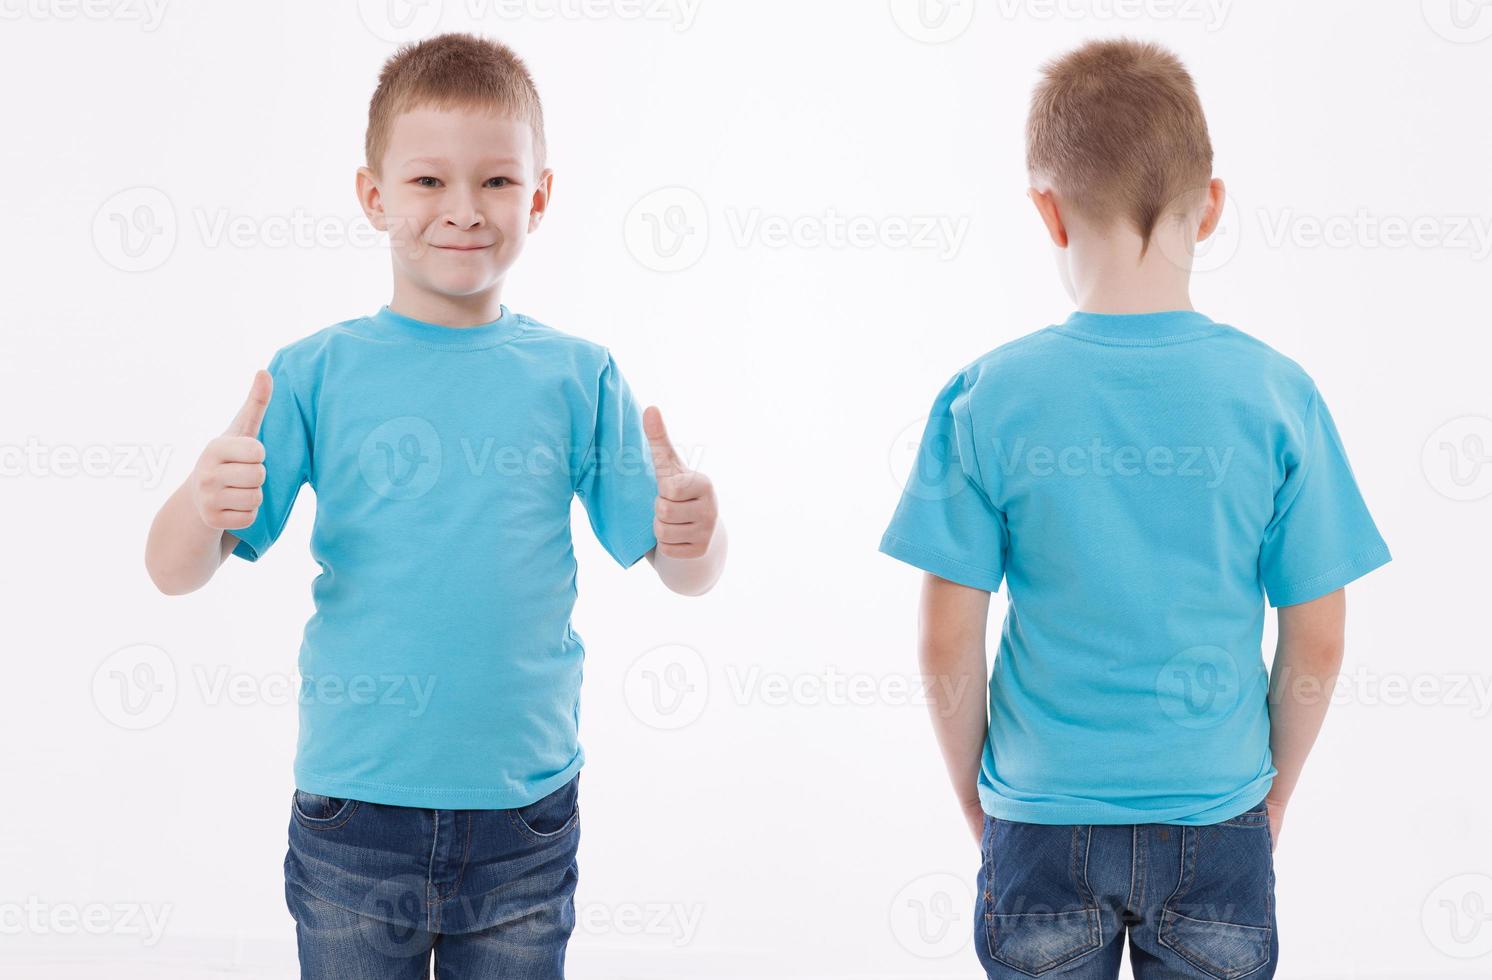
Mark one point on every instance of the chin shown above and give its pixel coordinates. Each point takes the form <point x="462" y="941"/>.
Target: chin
<point x="461" y="283"/>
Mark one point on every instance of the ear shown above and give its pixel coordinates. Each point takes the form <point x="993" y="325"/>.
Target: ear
<point x="371" y="199"/>
<point x="1046" y="206"/>
<point x="1216" y="195"/>
<point x="543" y="189"/>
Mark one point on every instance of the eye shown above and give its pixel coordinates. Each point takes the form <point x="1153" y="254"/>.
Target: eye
<point x="498" y="182"/>
<point x="426" y="182"/>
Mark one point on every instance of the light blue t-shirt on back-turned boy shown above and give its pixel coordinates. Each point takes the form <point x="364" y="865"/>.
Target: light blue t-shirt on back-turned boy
<point x="439" y="668"/>
<point x="1141" y="483"/>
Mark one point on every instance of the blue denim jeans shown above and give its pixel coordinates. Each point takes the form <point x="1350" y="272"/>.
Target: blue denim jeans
<point x="377" y="890"/>
<point x="1197" y="902"/>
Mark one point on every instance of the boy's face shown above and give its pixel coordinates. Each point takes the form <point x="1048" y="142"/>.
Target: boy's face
<point x="457" y="193"/>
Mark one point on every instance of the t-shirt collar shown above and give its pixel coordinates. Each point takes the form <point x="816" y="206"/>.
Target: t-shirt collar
<point x="483" y="335"/>
<point x="1163" y="326"/>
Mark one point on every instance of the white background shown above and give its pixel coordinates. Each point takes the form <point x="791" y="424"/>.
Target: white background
<point x="798" y="837"/>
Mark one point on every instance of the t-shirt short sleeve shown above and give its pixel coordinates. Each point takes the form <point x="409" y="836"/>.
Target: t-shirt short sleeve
<point x="286" y="435"/>
<point x="1321" y="535"/>
<point x="616" y="482"/>
<point x="945" y="522"/>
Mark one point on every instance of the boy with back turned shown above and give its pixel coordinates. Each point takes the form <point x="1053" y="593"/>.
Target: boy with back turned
<point x="1143" y="479"/>
<point x="445" y="437"/>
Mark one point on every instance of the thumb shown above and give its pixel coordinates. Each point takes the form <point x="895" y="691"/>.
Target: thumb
<point x="666" y="462"/>
<point x="251" y="416"/>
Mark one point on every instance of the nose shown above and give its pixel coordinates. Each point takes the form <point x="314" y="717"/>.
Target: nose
<point x="463" y="214"/>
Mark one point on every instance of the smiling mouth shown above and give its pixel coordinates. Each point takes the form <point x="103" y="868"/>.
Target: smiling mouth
<point x="462" y="248"/>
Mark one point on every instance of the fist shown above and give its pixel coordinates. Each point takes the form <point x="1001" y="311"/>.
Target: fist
<point x="226" y="485"/>
<point x="684" y="512"/>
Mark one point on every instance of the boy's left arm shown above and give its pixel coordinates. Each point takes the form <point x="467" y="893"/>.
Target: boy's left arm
<point x="690" y="553"/>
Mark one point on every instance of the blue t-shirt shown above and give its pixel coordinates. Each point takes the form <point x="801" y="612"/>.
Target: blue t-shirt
<point x="1142" y="483"/>
<point x="440" y="668"/>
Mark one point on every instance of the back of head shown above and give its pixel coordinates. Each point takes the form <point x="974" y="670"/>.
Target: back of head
<point x="1118" y="130"/>
<point x="450" y="71"/>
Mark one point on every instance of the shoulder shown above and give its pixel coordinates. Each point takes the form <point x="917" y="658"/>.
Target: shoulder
<point x="1273" y="375"/>
<point x="1014" y="365"/>
<point x="562" y="349"/>
<point x="1021" y="354"/>
<point x="301" y="355"/>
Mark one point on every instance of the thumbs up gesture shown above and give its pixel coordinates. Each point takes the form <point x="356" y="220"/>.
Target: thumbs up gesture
<point x="227" y="481"/>
<point x="685" y="512"/>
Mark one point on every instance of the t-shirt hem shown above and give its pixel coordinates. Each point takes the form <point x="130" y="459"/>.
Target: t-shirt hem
<point x="1099" y="812"/>
<point x="248" y="551"/>
<point x="434" y="797"/>
<point x="939" y="564"/>
<point x="640" y="547"/>
<point x="1334" y="578"/>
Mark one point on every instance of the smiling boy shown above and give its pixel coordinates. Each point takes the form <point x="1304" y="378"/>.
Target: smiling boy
<point x="445" y="437"/>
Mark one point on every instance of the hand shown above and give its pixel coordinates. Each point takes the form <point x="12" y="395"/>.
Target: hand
<point x="1276" y="820"/>
<point x="685" y="512"/>
<point x="227" y="480"/>
<point x="974" y="814"/>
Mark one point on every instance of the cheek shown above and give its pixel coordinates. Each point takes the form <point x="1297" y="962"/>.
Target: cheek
<point x="407" y="227"/>
<point x="512" y="218"/>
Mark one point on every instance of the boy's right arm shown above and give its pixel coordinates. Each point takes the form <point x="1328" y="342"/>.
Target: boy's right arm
<point x="190" y="538"/>
<point x="951" y="626"/>
<point x="1307" y="658"/>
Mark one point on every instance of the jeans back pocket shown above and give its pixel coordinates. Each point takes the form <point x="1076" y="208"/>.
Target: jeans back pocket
<point x="1220" y="918"/>
<point x="1038" y="912"/>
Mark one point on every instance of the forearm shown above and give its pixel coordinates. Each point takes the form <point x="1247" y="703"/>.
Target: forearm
<point x="181" y="552"/>
<point x="693" y="576"/>
<point x="1307" y="660"/>
<point x="951" y="655"/>
<point x="956" y="678"/>
<point x="1300" y="693"/>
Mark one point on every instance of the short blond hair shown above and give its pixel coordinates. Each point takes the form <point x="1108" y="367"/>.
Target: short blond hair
<point x="1117" y="128"/>
<point x="451" y="71"/>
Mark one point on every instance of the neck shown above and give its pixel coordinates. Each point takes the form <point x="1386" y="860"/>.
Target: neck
<point x="1108" y="274"/>
<point x="447" y="311"/>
